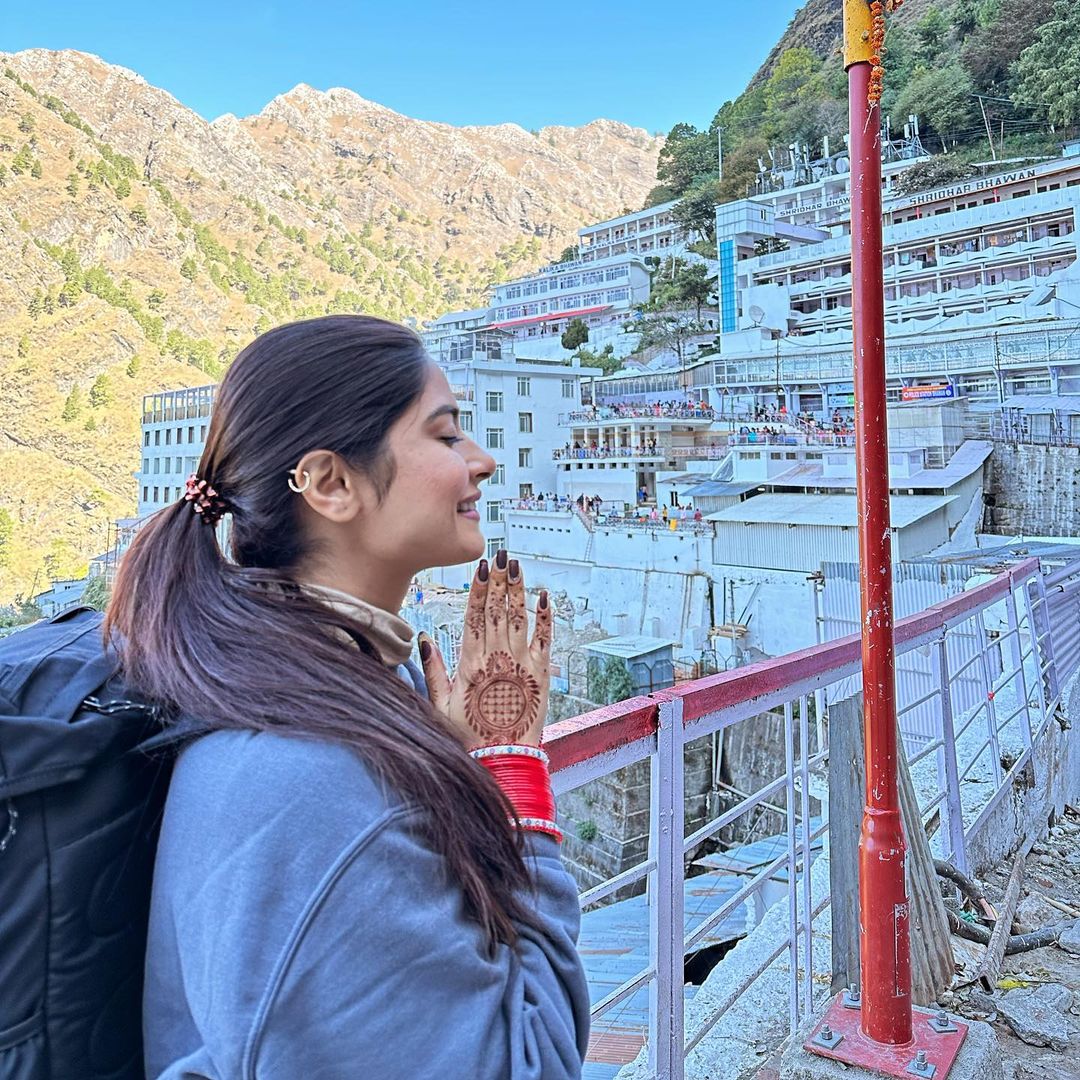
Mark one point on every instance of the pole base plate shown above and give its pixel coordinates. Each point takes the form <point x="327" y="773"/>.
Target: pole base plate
<point x="855" y="1048"/>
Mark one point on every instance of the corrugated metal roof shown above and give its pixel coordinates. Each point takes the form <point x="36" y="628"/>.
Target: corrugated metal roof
<point x="719" y="487"/>
<point x="968" y="459"/>
<point x="836" y="510"/>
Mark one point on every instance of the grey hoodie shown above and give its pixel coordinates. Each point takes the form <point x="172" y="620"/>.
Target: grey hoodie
<point x="301" y="929"/>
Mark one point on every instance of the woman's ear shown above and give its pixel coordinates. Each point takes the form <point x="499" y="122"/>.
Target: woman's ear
<point x="329" y="487"/>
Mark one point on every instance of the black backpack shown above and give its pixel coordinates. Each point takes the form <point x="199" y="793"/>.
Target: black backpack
<point x="84" y="768"/>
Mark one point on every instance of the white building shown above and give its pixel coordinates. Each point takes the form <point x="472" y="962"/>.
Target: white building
<point x="174" y="425"/>
<point x="653" y="231"/>
<point x="511" y="407"/>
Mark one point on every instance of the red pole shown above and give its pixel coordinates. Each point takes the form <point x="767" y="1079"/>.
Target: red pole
<point x="883" y="904"/>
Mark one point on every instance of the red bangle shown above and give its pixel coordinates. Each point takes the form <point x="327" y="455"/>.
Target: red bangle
<point x="526" y="783"/>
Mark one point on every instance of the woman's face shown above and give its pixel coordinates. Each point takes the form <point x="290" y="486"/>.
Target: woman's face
<point x="428" y="517"/>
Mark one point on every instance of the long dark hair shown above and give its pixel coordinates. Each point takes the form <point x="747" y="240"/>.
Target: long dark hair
<point x="236" y="645"/>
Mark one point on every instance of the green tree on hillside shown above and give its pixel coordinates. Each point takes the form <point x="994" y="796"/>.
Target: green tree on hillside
<point x="91" y="424"/>
<point x="139" y="215"/>
<point x="575" y="335"/>
<point x="96" y="593"/>
<point x="134" y="365"/>
<point x="73" y="405"/>
<point x="189" y="269"/>
<point x="23" y="347"/>
<point x="1001" y="32"/>
<point x="686" y="156"/>
<point x="26" y="123"/>
<point x="7" y="529"/>
<point x="35" y="304"/>
<point x="23" y="161"/>
<point x="101" y="394"/>
<point x="944" y="95"/>
<point x="1049" y="69"/>
<point x="36" y="171"/>
<point x="73" y="184"/>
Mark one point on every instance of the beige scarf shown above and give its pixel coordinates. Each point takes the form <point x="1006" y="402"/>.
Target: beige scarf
<point x="391" y="637"/>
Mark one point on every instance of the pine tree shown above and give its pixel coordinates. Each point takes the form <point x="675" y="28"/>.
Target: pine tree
<point x="139" y="215"/>
<point x="122" y="187"/>
<point x="188" y="269"/>
<point x="36" y="170"/>
<point x="33" y="308"/>
<point x="73" y="184"/>
<point x="134" y="364"/>
<point x="90" y="425"/>
<point x="101" y="392"/>
<point x="26" y="123"/>
<point x="23" y="161"/>
<point x="73" y="405"/>
<point x="23" y="348"/>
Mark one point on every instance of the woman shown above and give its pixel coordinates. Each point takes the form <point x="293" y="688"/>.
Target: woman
<point x="341" y="888"/>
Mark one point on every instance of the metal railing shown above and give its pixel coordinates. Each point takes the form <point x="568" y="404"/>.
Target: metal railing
<point x="597" y="453"/>
<point x="994" y="659"/>
<point x="667" y="411"/>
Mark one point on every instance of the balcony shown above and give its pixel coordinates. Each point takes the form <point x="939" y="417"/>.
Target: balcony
<point x="621" y="414"/>
<point x="608" y="453"/>
<point x="976" y="710"/>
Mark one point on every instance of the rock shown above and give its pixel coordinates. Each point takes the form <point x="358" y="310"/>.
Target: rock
<point x="1070" y="939"/>
<point x="1036" y="1016"/>
<point x="1045" y="1067"/>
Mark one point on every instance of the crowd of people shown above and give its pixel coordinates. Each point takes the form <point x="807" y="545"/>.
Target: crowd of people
<point x="596" y="509"/>
<point x="691" y="409"/>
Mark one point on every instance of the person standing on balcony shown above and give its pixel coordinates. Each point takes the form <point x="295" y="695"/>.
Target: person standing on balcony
<point x="358" y="872"/>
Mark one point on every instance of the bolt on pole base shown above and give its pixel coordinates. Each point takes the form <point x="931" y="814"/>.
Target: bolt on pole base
<point x="931" y="1053"/>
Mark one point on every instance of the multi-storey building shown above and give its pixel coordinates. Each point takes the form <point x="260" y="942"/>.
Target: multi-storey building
<point x="174" y="425"/>
<point x="653" y="231"/>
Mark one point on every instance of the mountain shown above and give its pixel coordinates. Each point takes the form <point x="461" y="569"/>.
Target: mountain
<point x="818" y="26"/>
<point x="141" y="247"/>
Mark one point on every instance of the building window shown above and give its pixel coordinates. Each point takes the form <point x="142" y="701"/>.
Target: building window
<point x="203" y="432"/>
<point x="466" y="421"/>
<point x="191" y="434"/>
<point x="145" y="494"/>
<point x="494" y="401"/>
<point x="524" y="384"/>
<point x="157" y="466"/>
<point x="525" y="423"/>
<point x="525" y="491"/>
<point x="146" y="466"/>
<point x="568" y="388"/>
<point x="146" y="439"/>
<point x="179" y="465"/>
<point x="494" y="438"/>
<point x="157" y="437"/>
<point x="494" y="511"/>
<point x="493" y="548"/>
<point x="524" y="458"/>
<point x="168" y="436"/>
<point x="498" y="477"/>
<point x="156" y="495"/>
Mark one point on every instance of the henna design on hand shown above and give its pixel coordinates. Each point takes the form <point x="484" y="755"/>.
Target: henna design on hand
<point x="474" y="622"/>
<point x="502" y="699"/>
<point x="519" y="620"/>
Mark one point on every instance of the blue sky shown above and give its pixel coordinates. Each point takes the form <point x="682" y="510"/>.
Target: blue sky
<point x="559" y="62"/>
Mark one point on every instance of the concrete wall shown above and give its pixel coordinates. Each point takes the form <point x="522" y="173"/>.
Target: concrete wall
<point x="605" y="823"/>
<point x="1036" y="490"/>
